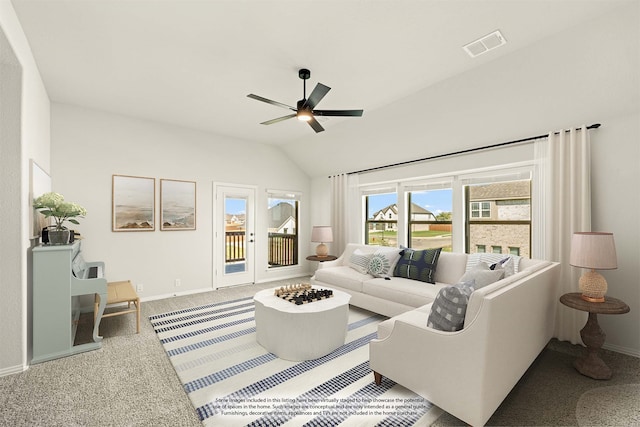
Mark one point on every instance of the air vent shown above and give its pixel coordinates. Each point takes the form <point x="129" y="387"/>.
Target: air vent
<point x="485" y="44"/>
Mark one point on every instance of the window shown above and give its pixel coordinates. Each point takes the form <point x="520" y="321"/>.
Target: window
<point x="509" y="225"/>
<point x="381" y="225"/>
<point x="487" y="210"/>
<point x="480" y="210"/>
<point x="429" y="219"/>
<point x="283" y="214"/>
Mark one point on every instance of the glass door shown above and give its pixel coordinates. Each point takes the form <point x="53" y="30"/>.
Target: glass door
<point x="235" y="236"/>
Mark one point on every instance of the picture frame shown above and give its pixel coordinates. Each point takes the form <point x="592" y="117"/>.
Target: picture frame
<point x="133" y="203"/>
<point x="177" y="205"/>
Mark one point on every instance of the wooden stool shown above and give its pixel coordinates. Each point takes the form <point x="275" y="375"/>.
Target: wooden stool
<point x="119" y="292"/>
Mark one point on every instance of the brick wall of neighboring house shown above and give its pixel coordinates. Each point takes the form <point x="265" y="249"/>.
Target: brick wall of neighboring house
<point x="513" y="212"/>
<point x="501" y="235"/>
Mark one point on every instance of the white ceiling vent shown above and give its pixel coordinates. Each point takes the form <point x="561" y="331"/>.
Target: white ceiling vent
<point x="485" y="44"/>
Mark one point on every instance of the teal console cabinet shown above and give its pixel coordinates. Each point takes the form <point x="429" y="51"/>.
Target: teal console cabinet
<point x="60" y="276"/>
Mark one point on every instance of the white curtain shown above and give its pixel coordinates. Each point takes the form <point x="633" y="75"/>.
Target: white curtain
<point x="564" y="164"/>
<point x="345" y="213"/>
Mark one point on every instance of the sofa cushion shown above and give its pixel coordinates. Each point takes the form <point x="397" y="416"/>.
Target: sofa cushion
<point x="475" y="302"/>
<point x="450" y="306"/>
<point x="491" y="258"/>
<point x="359" y="261"/>
<point x="417" y="317"/>
<point x="482" y="275"/>
<point x="383" y="261"/>
<point x="343" y="276"/>
<point x="402" y="291"/>
<point x="451" y="266"/>
<point x="418" y="265"/>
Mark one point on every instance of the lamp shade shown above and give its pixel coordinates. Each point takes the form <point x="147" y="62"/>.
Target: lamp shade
<point x="594" y="250"/>
<point x="322" y="234"/>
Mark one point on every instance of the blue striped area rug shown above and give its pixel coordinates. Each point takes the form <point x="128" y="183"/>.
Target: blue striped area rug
<point x="233" y="381"/>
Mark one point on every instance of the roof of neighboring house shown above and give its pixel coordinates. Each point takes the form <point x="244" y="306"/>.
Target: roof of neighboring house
<point x="393" y="208"/>
<point x="415" y="209"/>
<point x="501" y="191"/>
<point x="238" y="216"/>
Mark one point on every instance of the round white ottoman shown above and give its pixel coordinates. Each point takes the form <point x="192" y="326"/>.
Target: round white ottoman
<point x="301" y="332"/>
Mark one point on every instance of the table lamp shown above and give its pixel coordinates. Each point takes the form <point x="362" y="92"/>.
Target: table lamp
<point x="321" y="234"/>
<point x="596" y="251"/>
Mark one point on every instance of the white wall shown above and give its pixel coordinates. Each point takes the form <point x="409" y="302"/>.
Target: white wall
<point x="584" y="75"/>
<point x="89" y="146"/>
<point x="24" y="135"/>
<point x="615" y="152"/>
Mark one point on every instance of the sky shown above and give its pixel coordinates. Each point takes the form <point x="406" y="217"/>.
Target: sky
<point x="235" y="206"/>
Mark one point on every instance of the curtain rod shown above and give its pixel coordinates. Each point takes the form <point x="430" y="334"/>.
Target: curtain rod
<point x="469" y="150"/>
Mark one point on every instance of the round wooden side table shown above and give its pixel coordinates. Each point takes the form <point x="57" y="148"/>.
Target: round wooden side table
<point x="322" y="258"/>
<point x="592" y="335"/>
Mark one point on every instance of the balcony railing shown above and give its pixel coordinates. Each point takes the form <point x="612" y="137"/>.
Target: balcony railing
<point x="282" y="248"/>
<point x="235" y="241"/>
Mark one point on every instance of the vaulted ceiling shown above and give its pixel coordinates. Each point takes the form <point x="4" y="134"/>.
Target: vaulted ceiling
<point x="192" y="63"/>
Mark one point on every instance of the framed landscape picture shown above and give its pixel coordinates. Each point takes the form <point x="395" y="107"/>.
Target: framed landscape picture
<point x="177" y="205"/>
<point x="133" y="203"/>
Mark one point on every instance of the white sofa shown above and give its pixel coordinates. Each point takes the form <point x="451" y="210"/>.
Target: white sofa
<point x="467" y="373"/>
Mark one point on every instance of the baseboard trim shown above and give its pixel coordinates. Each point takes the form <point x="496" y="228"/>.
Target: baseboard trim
<point x="11" y="370"/>
<point x="296" y="275"/>
<point x="620" y="349"/>
<point x="175" y="294"/>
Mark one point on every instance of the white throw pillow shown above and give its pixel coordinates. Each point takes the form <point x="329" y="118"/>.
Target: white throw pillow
<point x="383" y="261"/>
<point x="359" y="261"/>
<point x="491" y="258"/>
<point x="482" y="275"/>
<point x="507" y="264"/>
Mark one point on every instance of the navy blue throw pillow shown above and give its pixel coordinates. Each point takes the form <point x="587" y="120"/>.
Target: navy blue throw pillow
<point x="418" y="265"/>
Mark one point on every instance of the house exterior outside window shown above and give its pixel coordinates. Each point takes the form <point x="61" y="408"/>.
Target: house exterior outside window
<point x="283" y="214"/>
<point x="499" y="217"/>
<point x="381" y="224"/>
<point x="427" y="229"/>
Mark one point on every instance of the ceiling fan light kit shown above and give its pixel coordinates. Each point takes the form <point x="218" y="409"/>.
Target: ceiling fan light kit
<point x="304" y="110"/>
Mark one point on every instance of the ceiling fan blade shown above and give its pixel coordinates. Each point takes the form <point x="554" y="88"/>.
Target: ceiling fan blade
<point x="339" y="113"/>
<point x="279" y="119"/>
<point x="268" y="101"/>
<point x="316" y="96"/>
<point x="315" y="125"/>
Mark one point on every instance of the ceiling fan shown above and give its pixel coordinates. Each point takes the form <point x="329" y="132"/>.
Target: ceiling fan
<point x="305" y="107"/>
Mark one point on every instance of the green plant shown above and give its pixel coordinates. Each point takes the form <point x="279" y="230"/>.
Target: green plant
<point x="53" y="205"/>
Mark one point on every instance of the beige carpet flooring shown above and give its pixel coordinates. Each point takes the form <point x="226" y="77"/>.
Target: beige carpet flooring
<point x="610" y="406"/>
<point x="130" y="382"/>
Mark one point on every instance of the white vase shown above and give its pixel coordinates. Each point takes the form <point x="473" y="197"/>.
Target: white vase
<point x="59" y="237"/>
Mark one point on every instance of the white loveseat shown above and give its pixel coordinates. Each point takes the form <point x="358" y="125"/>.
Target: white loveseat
<point x="467" y="373"/>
